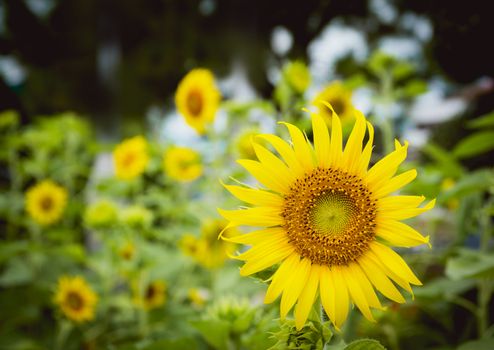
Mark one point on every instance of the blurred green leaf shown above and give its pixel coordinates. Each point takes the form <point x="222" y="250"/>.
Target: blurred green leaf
<point x="365" y="344"/>
<point x="444" y="159"/>
<point x="17" y="272"/>
<point x="484" y="121"/>
<point x="402" y="70"/>
<point x="414" y="87"/>
<point x="470" y="264"/>
<point x="215" y="332"/>
<point x="480" y="344"/>
<point x="475" y="144"/>
<point x="444" y="288"/>
<point x="477" y="181"/>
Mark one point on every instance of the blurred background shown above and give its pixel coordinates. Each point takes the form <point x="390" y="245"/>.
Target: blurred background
<point x="108" y="220"/>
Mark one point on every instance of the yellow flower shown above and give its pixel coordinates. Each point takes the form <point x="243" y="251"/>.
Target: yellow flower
<point x="127" y="251"/>
<point x="197" y="99"/>
<point x="75" y="298"/>
<point x="244" y="144"/>
<point x="46" y="202"/>
<point x="153" y="296"/>
<point x="101" y="214"/>
<point x="340" y="98"/>
<point x="328" y="221"/>
<point x="197" y="297"/>
<point x="131" y="157"/>
<point x="298" y="76"/>
<point x="208" y="250"/>
<point x="182" y="164"/>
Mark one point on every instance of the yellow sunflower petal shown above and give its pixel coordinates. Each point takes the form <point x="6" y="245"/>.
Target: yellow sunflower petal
<point x="356" y="293"/>
<point x="367" y="152"/>
<point x="353" y="147"/>
<point x="384" y="169"/>
<point x="263" y="175"/>
<point x="300" y="274"/>
<point x="307" y="296"/>
<point x="261" y="249"/>
<point x="334" y="294"/>
<point x="286" y="152"/>
<point x="399" y="202"/>
<point x="321" y="140"/>
<point x="255" y="196"/>
<point x="379" y="279"/>
<point x="258" y="236"/>
<point x="394" y="262"/>
<point x="280" y="278"/>
<point x="336" y="141"/>
<point x="301" y="146"/>
<point x="406" y="213"/>
<point x="259" y="216"/>
<point x="396" y="183"/>
<point x="267" y="259"/>
<point x="274" y="165"/>
<point x="400" y="234"/>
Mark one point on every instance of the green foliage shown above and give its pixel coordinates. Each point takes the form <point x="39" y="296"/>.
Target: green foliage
<point x="364" y="344"/>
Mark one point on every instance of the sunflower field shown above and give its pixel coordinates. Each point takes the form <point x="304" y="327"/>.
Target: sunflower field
<point x="208" y="175"/>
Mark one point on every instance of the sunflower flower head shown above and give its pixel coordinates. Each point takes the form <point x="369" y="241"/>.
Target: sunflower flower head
<point x="130" y="158"/>
<point x="127" y="251"/>
<point x="75" y="298"/>
<point x="198" y="297"/>
<point x="182" y="164"/>
<point x="46" y="202"/>
<point x="197" y="99"/>
<point x="328" y="220"/>
<point x="340" y="99"/>
<point x="101" y="214"/>
<point x="297" y="75"/>
<point x="152" y="296"/>
<point x="137" y="217"/>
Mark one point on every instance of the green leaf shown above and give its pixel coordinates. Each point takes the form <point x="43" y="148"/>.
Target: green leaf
<point x="448" y="164"/>
<point x="470" y="264"/>
<point x="484" y="121"/>
<point x="414" y="87"/>
<point x="480" y="344"/>
<point x="365" y="344"/>
<point x="214" y="332"/>
<point x="475" y="144"/>
<point x="180" y="343"/>
<point x="478" y="181"/>
<point x="443" y="288"/>
<point x="17" y="272"/>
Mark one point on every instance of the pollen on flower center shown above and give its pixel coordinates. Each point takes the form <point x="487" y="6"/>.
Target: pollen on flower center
<point x="194" y="102"/>
<point x="46" y="203"/>
<point x="330" y="216"/>
<point x="75" y="301"/>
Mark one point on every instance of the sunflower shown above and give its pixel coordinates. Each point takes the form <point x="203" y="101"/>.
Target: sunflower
<point x="340" y="99"/>
<point x="46" y="202"/>
<point x="130" y="158"/>
<point x="197" y="98"/>
<point x="153" y="296"/>
<point x="328" y="221"/>
<point x="127" y="251"/>
<point x="298" y="75"/>
<point x="75" y="298"/>
<point x="182" y="164"/>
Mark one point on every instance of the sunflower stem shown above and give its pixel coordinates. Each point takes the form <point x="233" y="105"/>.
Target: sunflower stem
<point x="63" y="332"/>
<point x="484" y="285"/>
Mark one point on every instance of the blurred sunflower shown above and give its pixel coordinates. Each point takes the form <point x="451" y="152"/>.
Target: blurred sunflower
<point x="46" y="202"/>
<point x="197" y="98"/>
<point x="131" y="157"/>
<point x="198" y="297"/>
<point x="298" y="76"/>
<point x="75" y="298"/>
<point x="182" y="164"/>
<point x="153" y="296"/>
<point x="340" y="98"/>
<point x="127" y="251"/>
<point x="207" y="249"/>
<point x="328" y="221"/>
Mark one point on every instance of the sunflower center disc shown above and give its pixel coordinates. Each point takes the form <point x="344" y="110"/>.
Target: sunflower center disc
<point x="46" y="203"/>
<point x="330" y="217"/>
<point x="75" y="301"/>
<point x="194" y="102"/>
